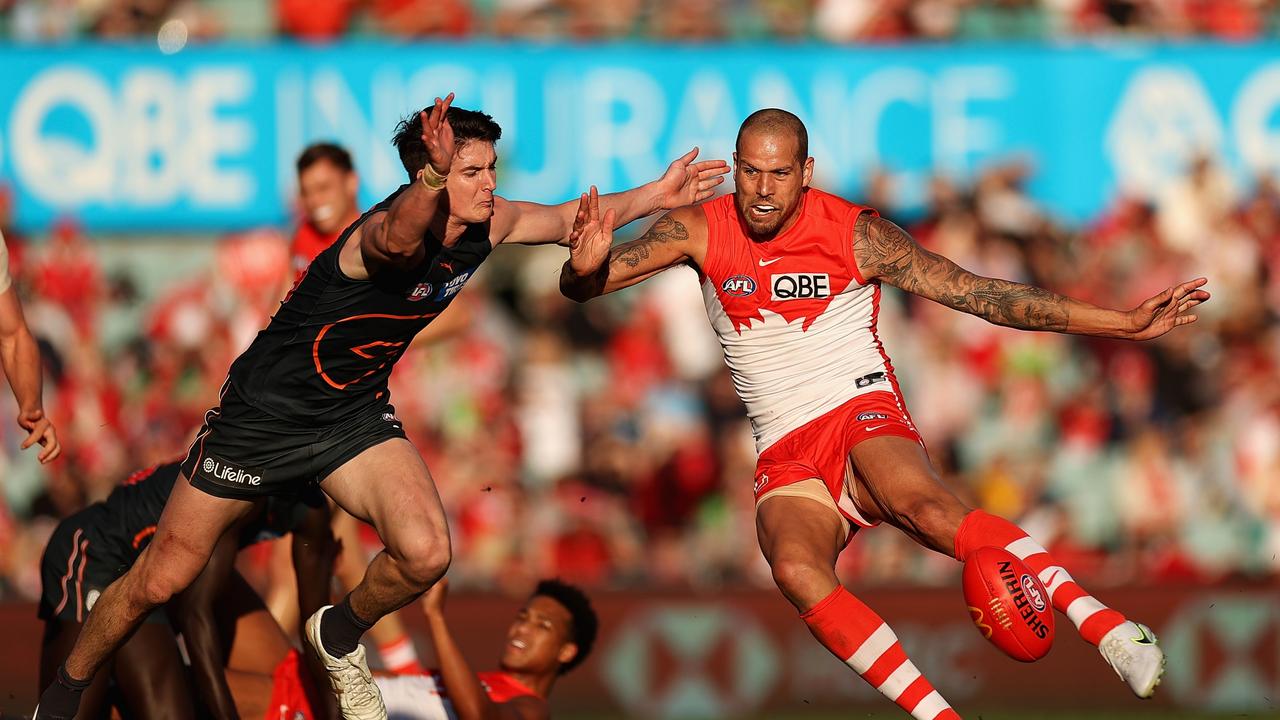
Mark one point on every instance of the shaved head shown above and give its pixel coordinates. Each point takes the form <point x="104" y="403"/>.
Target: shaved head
<point x="774" y="121"/>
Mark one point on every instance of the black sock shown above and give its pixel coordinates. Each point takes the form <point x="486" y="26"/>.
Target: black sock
<point x="340" y="629"/>
<point x="61" y="700"/>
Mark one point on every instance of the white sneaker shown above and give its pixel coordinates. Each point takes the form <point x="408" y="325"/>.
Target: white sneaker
<point x="358" y="695"/>
<point x="1134" y="653"/>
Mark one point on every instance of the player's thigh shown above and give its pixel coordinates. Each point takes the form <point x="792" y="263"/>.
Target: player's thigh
<point x="390" y="487"/>
<point x="894" y="482"/>
<point x="152" y="677"/>
<point x="189" y="527"/>
<point x="799" y="529"/>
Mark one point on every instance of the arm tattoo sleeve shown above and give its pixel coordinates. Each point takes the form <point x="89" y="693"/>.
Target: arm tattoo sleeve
<point x="666" y="229"/>
<point x="884" y="250"/>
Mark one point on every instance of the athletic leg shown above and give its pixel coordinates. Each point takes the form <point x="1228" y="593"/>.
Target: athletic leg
<point x="389" y="487"/>
<point x="389" y="634"/>
<point x="189" y="528"/>
<point x="59" y="638"/>
<point x="801" y="538"/>
<point x="150" y="674"/>
<point x="896" y="483"/>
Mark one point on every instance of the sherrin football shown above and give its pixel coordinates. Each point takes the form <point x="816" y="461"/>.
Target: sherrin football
<point x="1008" y="603"/>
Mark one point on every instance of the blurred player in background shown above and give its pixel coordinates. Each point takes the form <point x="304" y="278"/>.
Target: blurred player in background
<point x="308" y="400"/>
<point x="328" y="194"/>
<point x="551" y="635"/>
<point x="791" y="281"/>
<point x="20" y="359"/>
<point x="92" y="548"/>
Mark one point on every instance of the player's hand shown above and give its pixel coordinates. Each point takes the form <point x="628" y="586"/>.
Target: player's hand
<point x="437" y="135"/>
<point x="433" y="599"/>
<point x="40" y="430"/>
<point x="687" y="182"/>
<point x="591" y="236"/>
<point x="1163" y="312"/>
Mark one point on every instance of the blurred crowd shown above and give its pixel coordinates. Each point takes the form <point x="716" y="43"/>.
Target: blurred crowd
<point x="604" y="443"/>
<point x="840" y="21"/>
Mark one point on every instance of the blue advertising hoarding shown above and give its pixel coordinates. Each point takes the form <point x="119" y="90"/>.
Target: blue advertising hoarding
<point x="132" y="139"/>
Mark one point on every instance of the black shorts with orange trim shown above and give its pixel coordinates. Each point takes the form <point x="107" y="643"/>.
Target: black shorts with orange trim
<point x="245" y="453"/>
<point x="79" y="562"/>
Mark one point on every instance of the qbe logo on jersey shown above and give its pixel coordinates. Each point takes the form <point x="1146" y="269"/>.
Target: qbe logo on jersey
<point x="800" y="286"/>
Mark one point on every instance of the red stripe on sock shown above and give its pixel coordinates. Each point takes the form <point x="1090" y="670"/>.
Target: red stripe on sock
<point x="1099" y="624"/>
<point x="884" y="666"/>
<point x="914" y="693"/>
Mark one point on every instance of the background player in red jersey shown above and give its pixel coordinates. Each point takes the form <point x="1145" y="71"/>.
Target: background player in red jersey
<point x="308" y="401"/>
<point x="791" y="280"/>
<point x="20" y="359"/>
<point x="328" y="192"/>
<point x="552" y="634"/>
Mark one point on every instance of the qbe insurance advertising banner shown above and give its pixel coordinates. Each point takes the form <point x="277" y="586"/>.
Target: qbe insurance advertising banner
<point x="131" y="139"/>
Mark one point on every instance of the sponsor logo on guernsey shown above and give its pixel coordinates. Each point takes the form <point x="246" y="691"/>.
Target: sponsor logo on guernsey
<point x="800" y="286"/>
<point x="452" y="287"/>
<point x="738" y="286"/>
<point x="222" y="470"/>
<point x="863" y="417"/>
<point x="421" y="292"/>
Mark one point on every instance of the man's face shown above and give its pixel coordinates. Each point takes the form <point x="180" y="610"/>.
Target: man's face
<point x="328" y="194"/>
<point x="472" y="179"/>
<point x="540" y="638"/>
<point x="769" y="178"/>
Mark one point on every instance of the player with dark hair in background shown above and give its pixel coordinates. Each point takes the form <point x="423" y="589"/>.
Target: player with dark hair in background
<point x="308" y="402"/>
<point x="791" y="280"/>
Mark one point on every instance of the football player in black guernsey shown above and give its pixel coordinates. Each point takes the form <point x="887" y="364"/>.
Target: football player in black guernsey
<point x="308" y="401"/>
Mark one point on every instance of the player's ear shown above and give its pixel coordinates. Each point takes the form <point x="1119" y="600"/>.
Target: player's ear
<point x="353" y="183"/>
<point x="735" y="160"/>
<point x="807" y="174"/>
<point x="568" y="652"/>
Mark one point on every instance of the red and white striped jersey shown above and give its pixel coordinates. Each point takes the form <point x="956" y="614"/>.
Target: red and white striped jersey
<point x="795" y="318"/>
<point x="422" y="696"/>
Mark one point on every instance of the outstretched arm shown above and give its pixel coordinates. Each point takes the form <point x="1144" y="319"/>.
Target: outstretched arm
<point x="396" y="237"/>
<point x="883" y="250"/>
<point x="463" y="687"/>
<point x="594" y="268"/>
<point x="20" y="360"/>
<point x="684" y="183"/>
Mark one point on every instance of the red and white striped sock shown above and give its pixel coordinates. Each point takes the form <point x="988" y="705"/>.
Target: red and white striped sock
<point x="399" y="656"/>
<point x="854" y="633"/>
<point x="1091" y="618"/>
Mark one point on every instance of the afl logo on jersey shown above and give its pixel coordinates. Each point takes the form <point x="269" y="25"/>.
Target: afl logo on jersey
<point x="738" y="286"/>
<point x="800" y="286"/>
<point x="421" y="292"/>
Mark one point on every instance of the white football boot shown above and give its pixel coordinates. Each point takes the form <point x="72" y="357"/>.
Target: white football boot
<point x="1134" y="653"/>
<point x="358" y="696"/>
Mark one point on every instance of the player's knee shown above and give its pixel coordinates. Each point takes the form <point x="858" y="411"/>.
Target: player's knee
<point x="795" y="575"/>
<point x="932" y="517"/>
<point x="425" y="560"/>
<point x="157" y="586"/>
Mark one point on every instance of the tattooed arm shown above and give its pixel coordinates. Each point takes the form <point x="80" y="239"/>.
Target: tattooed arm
<point x="594" y="268"/>
<point x="882" y="250"/>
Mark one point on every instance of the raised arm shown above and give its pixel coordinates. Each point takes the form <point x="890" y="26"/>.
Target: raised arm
<point x="20" y="359"/>
<point x="461" y="684"/>
<point x="395" y="238"/>
<point x="884" y="251"/>
<point x="685" y="182"/>
<point x="594" y="268"/>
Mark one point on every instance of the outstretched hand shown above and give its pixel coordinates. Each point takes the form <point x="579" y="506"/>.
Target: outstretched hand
<point x="686" y="182"/>
<point x="40" y="430"/>
<point x="591" y="236"/>
<point x="1163" y="312"/>
<point x="437" y="135"/>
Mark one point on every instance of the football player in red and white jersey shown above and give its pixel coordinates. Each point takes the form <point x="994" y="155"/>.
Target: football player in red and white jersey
<point x="791" y="280"/>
